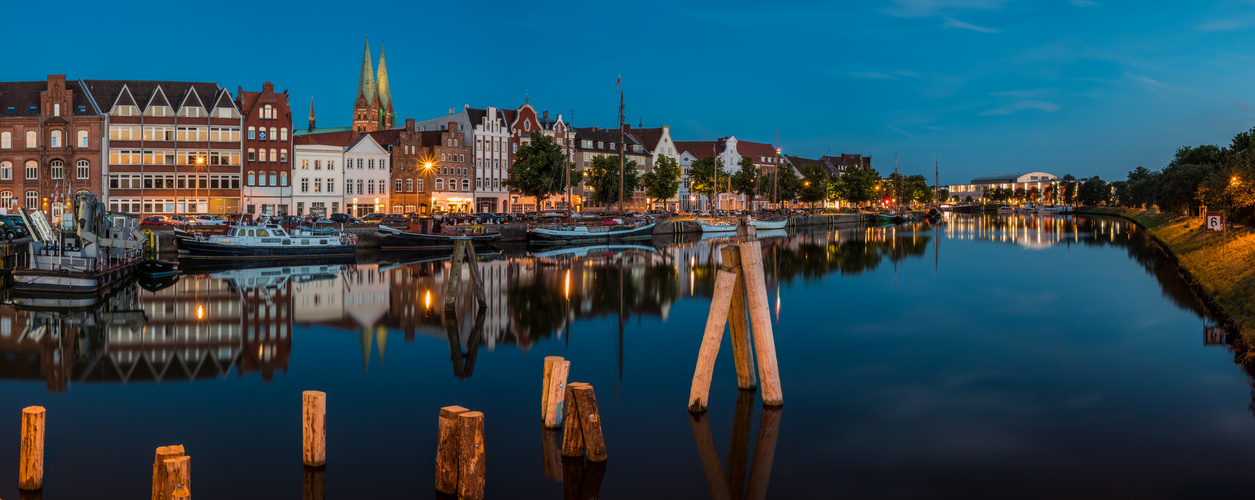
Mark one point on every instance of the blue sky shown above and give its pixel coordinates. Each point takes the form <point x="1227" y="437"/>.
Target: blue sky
<point x="985" y="86"/>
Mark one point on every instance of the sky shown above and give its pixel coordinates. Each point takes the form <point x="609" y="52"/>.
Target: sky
<point x="983" y="86"/>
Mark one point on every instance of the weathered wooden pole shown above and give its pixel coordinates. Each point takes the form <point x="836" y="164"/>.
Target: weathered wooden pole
<point x="544" y="383"/>
<point x="159" y="466"/>
<point x="455" y="275"/>
<point x="709" y="457"/>
<point x="572" y="435"/>
<point x="314" y="483"/>
<point x="314" y="427"/>
<point x="760" y="314"/>
<point x="177" y="482"/>
<point x="742" y="350"/>
<point x="764" y="453"/>
<point x="725" y="285"/>
<point x="31" y="470"/>
<point x="555" y="393"/>
<point x="471" y="464"/>
<point x="476" y="277"/>
<point x="590" y="423"/>
<point x="447" y="449"/>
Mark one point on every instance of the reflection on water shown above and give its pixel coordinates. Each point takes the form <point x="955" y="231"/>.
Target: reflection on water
<point x="205" y="326"/>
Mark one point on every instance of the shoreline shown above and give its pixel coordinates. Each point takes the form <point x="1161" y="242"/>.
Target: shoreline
<point x="1220" y="272"/>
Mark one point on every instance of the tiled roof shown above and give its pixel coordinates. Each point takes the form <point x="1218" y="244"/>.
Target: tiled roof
<point x="476" y="116"/>
<point x="800" y="163"/>
<point x="343" y="138"/>
<point x="246" y="101"/>
<point x="106" y="91"/>
<point x="22" y="95"/>
<point x="647" y="137"/>
<point x="700" y="149"/>
<point x="388" y="137"/>
<point x="754" y="150"/>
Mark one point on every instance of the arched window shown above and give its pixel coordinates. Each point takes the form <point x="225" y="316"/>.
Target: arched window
<point x="32" y="199"/>
<point x="6" y="199"/>
<point x="274" y="155"/>
<point x="32" y="170"/>
<point x="283" y="155"/>
<point x="274" y="178"/>
<point x="466" y="185"/>
<point x="82" y="138"/>
<point x="252" y="132"/>
<point x="6" y="171"/>
<point x="420" y="185"/>
<point x="56" y="139"/>
<point x="267" y="112"/>
<point x="84" y="169"/>
<point x="409" y="185"/>
<point x="283" y="178"/>
<point x="453" y="184"/>
<point x="58" y="169"/>
<point x="6" y="140"/>
<point x="283" y="134"/>
<point x="439" y="184"/>
<point x="396" y="188"/>
<point x="32" y="140"/>
<point x="274" y="134"/>
<point x="252" y="178"/>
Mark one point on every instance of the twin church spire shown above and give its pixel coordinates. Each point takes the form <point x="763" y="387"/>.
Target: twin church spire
<point x="372" y="109"/>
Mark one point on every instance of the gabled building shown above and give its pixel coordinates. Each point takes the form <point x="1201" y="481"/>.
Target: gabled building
<point x="524" y="122"/>
<point x="267" y="144"/>
<point x="840" y="164"/>
<point x="659" y="144"/>
<point x="593" y="142"/>
<point x="318" y="158"/>
<point x="366" y="177"/>
<point x="50" y="144"/>
<point x="491" y="135"/>
<point x="172" y="147"/>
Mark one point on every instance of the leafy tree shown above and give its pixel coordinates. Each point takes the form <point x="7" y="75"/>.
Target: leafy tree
<point x="943" y="194"/>
<point x="703" y="174"/>
<point x="915" y="190"/>
<point x="781" y="185"/>
<point x="663" y="181"/>
<point x="815" y="187"/>
<point x="1094" y="192"/>
<point x="745" y="180"/>
<point x="538" y="170"/>
<point x="836" y="188"/>
<point x="1020" y="194"/>
<point x="1033" y="193"/>
<point x="603" y="176"/>
<point x="1176" y="187"/>
<point x="860" y="185"/>
<point x="1206" y="154"/>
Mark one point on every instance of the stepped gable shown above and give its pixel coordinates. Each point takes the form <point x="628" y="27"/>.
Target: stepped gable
<point x="21" y="96"/>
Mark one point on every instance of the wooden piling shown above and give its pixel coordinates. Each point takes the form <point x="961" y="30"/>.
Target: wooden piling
<point x="455" y="275"/>
<point x="471" y="465"/>
<point x="447" y="449"/>
<point x="159" y="466"/>
<point x="314" y="483"/>
<point x="590" y="423"/>
<point x="760" y="314"/>
<point x="551" y="454"/>
<point x="544" y="384"/>
<point x="556" y="393"/>
<point x="572" y="434"/>
<point x="709" y="457"/>
<point x="31" y="470"/>
<point x="764" y="453"/>
<point x="699" y="391"/>
<point x="477" y="279"/>
<point x="314" y="427"/>
<point x="177" y="482"/>
<point x="742" y="350"/>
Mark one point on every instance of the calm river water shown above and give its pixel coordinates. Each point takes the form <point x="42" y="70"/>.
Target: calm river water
<point x="985" y="357"/>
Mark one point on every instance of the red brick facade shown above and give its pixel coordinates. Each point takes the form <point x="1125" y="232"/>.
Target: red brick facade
<point x="267" y="150"/>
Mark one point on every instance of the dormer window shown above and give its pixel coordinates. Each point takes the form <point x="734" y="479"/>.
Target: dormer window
<point x="32" y="109"/>
<point x="82" y="109"/>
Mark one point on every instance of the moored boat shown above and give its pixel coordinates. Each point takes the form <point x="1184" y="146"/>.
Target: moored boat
<point x="265" y="241"/>
<point x="559" y="234"/>
<point x="769" y="223"/>
<point x="717" y="226"/>
<point x="90" y="252"/>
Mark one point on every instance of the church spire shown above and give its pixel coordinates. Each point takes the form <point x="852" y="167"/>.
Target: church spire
<point x="311" y="113"/>
<point x="385" y="92"/>
<point x="366" y="81"/>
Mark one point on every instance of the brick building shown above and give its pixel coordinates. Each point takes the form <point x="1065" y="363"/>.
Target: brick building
<point x="524" y="122"/>
<point x="267" y="162"/>
<point x="172" y="147"/>
<point x="444" y="177"/>
<point x="50" y="144"/>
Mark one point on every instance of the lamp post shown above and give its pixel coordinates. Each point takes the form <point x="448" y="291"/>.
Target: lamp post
<point x="200" y="160"/>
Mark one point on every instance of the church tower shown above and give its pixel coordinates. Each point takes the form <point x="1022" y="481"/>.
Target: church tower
<point x="366" y="108"/>
<point x="387" y="118"/>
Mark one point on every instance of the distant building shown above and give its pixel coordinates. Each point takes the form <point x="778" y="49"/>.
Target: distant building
<point x="524" y="122"/>
<point x="657" y="142"/>
<point x="840" y="164"/>
<point x="366" y="177"/>
<point x="267" y="148"/>
<point x="372" y="108"/>
<point x="593" y="142"/>
<point x="1020" y="180"/>
<point x="50" y="144"/>
<point x="318" y="157"/>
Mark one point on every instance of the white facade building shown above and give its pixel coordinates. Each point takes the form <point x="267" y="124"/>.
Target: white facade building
<point x="491" y="137"/>
<point x="366" y="177"/>
<point x="317" y="173"/>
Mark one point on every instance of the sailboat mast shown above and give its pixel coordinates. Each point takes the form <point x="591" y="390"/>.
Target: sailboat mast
<point x="620" y="152"/>
<point x="775" y="191"/>
<point x="936" y="181"/>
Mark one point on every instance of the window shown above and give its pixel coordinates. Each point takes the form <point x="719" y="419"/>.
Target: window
<point x="283" y="155"/>
<point x="274" y="178"/>
<point x="370" y="163"/>
<point x="359" y="187"/>
<point x="420" y="185"/>
<point x="466" y="185"/>
<point x="267" y="112"/>
<point x="370" y="186"/>
<point x="274" y="136"/>
<point x="274" y="155"/>
<point x="82" y="138"/>
<point x="56" y="139"/>
<point x="397" y="187"/>
<point x="359" y="163"/>
<point x="252" y="178"/>
<point x="31" y="139"/>
<point x="252" y="154"/>
<point x="6" y="140"/>
<point x="317" y="185"/>
<point x="453" y="184"/>
<point x="305" y="164"/>
<point x="32" y="199"/>
<point x="6" y="199"/>
<point x="383" y="164"/>
<point x="283" y="134"/>
<point x="383" y="186"/>
<point x="331" y="164"/>
<point x="283" y="178"/>
<point x="6" y="171"/>
<point x="58" y="169"/>
<point x="331" y="185"/>
<point x="32" y="170"/>
<point x="304" y="185"/>
<point x="252" y="132"/>
<point x="56" y="110"/>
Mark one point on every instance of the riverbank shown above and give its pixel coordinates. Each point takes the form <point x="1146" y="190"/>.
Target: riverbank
<point x="1218" y="266"/>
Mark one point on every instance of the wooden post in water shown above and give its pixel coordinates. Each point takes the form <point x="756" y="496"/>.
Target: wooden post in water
<point x="589" y="423"/>
<point x="760" y="314"/>
<point x="742" y="353"/>
<point x="572" y="435"/>
<point x="699" y="391"/>
<point x="471" y="465"/>
<point x="556" y="371"/>
<point x="455" y="275"/>
<point x="31" y="470"/>
<point x="476" y="277"/>
<point x="177" y="483"/>
<point x="314" y="427"/>
<point x="159" y="466"/>
<point x="447" y="449"/>
<point x="544" y="383"/>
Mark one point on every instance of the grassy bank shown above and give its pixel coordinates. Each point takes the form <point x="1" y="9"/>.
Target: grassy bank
<point x="1224" y="272"/>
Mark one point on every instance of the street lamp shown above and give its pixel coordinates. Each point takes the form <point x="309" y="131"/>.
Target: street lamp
<point x="200" y="161"/>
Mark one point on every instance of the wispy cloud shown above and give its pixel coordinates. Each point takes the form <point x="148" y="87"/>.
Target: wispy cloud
<point x="873" y="75"/>
<point x="899" y="130"/>
<point x="955" y="23"/>
<point x="1083" y="3"/>
<point x="1225" y="25"/>
<point x="1017" y="107"/>
<point x="1025" y="94"/>
<point x="926" y="8"/>
<point x="1144" y="80"/>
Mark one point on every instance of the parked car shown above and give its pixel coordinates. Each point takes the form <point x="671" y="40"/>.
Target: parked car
<point x="486" y="218"/>
<point x="345" y="219"/>
<point x="503" y="218"/>
<point x="183" y="220"/>
<point x="460" y="218"/>
<point x="16" y="220"/>
<point x="210" y="220"/>
<point x="374" y="218"/>
<point x="156" y="220"/>
<point x="11" y="231"/>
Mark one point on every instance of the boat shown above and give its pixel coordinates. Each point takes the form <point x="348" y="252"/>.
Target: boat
<point x="1006" y="210"/>
<point x="769" y="223"/>
<point x="933" y="214"/>
<point x="432" y="236"/>
<point x="891" y="217"/>
<point x="717" y="226"/>
<point x="267" y="241"/>
<point x="1054" y="210"/>
<point x="90" y="251"/>
<point x="585" y="250"/>
<point x="560" y="234"/>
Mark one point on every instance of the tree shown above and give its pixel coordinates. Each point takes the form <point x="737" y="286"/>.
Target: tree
<point x="745" y="180"/>
<point x="1033" y="193"/>
<point x="703" y="173"/>
<point x="915" y="190"/>
<point x="664" y="181"/>
<point x="1094" y="192"/>
<point x="815" y="187"/>
<point x="943" y="194"/>
<point x="538" y="169"/>
<point x="1020" y="194"/>
<point x="836" y="188"/>
<point x="603" y="176"/>
<point x="860" y="185"/>
<point x="781" y="185"/>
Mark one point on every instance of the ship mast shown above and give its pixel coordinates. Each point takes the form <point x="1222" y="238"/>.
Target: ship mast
<point x="620" y="152"/>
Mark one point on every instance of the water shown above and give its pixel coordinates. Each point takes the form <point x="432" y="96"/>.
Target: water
<point x="987" y="357"/>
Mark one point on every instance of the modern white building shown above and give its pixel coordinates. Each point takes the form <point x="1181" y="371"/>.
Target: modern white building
<point x="366" y="177"/>
<point x="1018" y="180"/>
<point x="317" y="171"/>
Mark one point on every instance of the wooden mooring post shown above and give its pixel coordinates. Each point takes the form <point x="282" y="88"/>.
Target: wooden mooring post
<point x="314" y="427"/>
<point x="31" y="470"/>
<point x="159" y="468"/>
<point x="460" y="455"/>
<point x="582" y="434"/>
<point x="464" y="249"/>
<point x="553" y="392"/>
<point x="740" y="291"/>
<point x="177" y="482"/>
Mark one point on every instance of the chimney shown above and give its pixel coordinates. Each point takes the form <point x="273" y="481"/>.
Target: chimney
<point x="546" y="115"/>
<point x="268" y="87"/>
<point x="409" y="124"/>
<point x="450" y="109"/>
